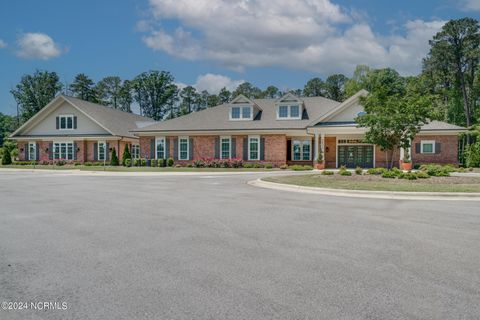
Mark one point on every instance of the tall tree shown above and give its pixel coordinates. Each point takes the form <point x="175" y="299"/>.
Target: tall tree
<point x="248" y="90"/>
<point x="314" y="88"/>
<point x="7" y="126"/>
<point x="156" y="94"/>
<point x="125" y="98"/>
<point x="189" y="99"/>
<point x="455" y="50"/>
<point x="271" y="92"/>
<point x="335" y="87"/>
<point x="114" y="92"/>
<point x="358" y="81"/>
<point x="224" y="95"/>
<point x="35" y="91"/>
<point x="84" y="88"/>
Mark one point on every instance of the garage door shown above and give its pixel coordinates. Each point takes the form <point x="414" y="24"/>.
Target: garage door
<point x="353" y="156"/>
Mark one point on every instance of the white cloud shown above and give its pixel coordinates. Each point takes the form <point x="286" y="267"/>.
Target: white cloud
<point x="37" y="46"/>
<point x="213" y="83"/>
<point x="471" y="5"/>
<point x="313" y="35"/>
<point x="2" y="44"/>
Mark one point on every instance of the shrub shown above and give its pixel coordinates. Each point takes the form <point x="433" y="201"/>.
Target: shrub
<point x="237" y="163"/>
<point x="126" y="155"/>
<point x="248" y="165"/>
<point x="327" y="173"/>
<point x="189" y="165"/>
<point x="389" y="174"/>
<point x="268" y="166"/>
<point x="376" y="171"/>
<point x="170" y="162"/>
<point x="161" y="162"/>
<point x="422" y="175"/>
<point x="472" y="155"/>
<point x="178" y="165"/>
<point x="6" y="156"/>
<point x="436" y="170"/>
<point x="137" y="162"/>
<point x="344" y="173"/>
<point x="61" y="163"/>
<point x="127" y="163"/>
<point x="358" y="170"/>
<point x="24" y="163"/>
<point x="258" y="165"/>
<point x="416" y="166"/>
<point x="283" y="167"/>
<point x="143" y="162"/>
<point x="198" y="163"/>
<point x="114" y="158"/>
<point x="153" y="163"/>
<point x="307" y="167"/>
<point x="297" y="167"/>
<point x="408" y="176"/>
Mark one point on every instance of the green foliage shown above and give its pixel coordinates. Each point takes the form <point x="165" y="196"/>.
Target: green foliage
<point x="407" y="176"/>
<point x="327" y="173"/>
<point x="83" y="88"/>
<point x="114" y="158"/>
<point x="35" y="91"/>
<point x="127" y="163"/>
<point x="170" y="162"/>
<point x="268" y="166"/>
<point x="297" y="167"/>
<point x="335" y="87"/>
<point x="161" y="162"/>
<point x="153" y="163"/>
<point x="344" y="173"/>
<point x="248" y="90"/>
<point x="389" y="174"/>
<point x="314" y="88"/>
<point x="436" y="170"/>
<point x="422" y="175"/>
<point x="284" y="167"/>
<point x="376" y="171"/>
<point x="473" y="155"/>
<point x="126" y="156"/>
<point x="112" y="91"/>
<point x="358" y="170"/>
<point x="8" y="124"/>
<point x="8" y="148"/>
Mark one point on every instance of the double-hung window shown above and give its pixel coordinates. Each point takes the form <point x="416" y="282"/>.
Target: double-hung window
<point x="102" y="151"/>
<point x="183" y="146"/>
<point x="427" y="146"/>
<point x="32" y="151"/>
<point x="225" y="147"/>
<point x="66" y="122"/>
<point x="241" y="113"/>
<point x="301" y="150"/>
<point x="160" y="147"/>
<point x="253" y="148"/>
<point x="135" y="151"/>
<point x="288" y="112"/>
<point x="63" y="151"/>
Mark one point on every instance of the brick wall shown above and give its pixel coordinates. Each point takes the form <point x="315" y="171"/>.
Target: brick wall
<point x="331" y="154"/>
<point x="275" y="149"/>
<point x="145" y="147"/>
<point x="382" y="159"/>
<point x="448" y="150"/>
<point x="203" y="147"/>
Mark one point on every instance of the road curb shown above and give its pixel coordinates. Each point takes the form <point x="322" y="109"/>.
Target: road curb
<point x="445" y="196"/>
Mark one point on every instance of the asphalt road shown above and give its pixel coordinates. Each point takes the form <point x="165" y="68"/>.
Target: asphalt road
<point x="212" y="247"/>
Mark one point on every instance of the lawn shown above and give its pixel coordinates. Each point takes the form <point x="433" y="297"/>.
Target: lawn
<point x="377" y="183"/>
<point x="136" y="169"/>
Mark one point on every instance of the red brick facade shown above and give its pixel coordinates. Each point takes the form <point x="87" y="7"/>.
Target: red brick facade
<point x="448" y="150"/>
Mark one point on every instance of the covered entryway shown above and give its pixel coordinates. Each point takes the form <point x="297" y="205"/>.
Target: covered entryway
<point x="353" y="156"/>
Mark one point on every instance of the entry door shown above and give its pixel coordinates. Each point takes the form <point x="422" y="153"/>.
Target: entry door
<point x="353" y="156"/>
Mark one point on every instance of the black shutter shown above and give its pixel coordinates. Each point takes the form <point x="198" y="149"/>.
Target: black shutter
<point x="26" y="151"/>
<point x="233" y="148"/>
<point x="95" y="151"/>
<point x="417" y="148"/>
<point x="74" y="122"/>
<point x="37" y="152"/>
<point x="152" y="149"/>
<point x="167" y="148"/>
<point x="217" y="148"/>
<point x="50" y="151"/>
<point x="74" y="151"/>
<point x="245" y="148"/>
<point x="58" y="122"/>
<point x="190" y="149"/>
<point x="438" y="147"/>
<point x="175" y="149"/>
<point x="107" y="152"/>
<point x="262" y="149"/>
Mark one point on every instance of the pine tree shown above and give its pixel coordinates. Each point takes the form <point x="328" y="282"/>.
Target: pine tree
<point x="126" y="155"/>
<point x="114" y="161"/>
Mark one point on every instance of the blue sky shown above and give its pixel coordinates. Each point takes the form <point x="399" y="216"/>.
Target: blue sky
<point x="215" y="43"/>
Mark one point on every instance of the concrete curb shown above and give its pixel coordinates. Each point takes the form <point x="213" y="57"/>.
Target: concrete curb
<point x="445" y="196"/>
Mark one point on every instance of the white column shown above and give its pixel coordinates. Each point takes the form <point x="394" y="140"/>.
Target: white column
<point x="322" y="143"/>
<point x="316" y="145"/>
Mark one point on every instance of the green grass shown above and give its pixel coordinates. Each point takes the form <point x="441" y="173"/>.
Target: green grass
<point x="137" y="169"/>
<point x="434" y="184"/>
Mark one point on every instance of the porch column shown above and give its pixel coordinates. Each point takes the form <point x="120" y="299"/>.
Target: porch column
<point x="316" y="145"/>
<point x="322" y="145"/>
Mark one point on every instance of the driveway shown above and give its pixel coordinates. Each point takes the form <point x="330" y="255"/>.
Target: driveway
<point x="213" y="247"/>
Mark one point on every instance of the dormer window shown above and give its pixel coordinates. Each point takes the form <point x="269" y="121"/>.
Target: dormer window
<point x="288" y="112"/>
<point x="241" y="113"/>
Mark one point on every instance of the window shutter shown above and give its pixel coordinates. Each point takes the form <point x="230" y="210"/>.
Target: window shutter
<point x="58" y="122"/>
<point x="50" y="151"/>
<point x="245" y="148"/>
<point x="175" y="149"/>
<point x="107" y="152"/>
<point x="37" y="152"/>
<point x="438" y="147"/>
<point x="74" y="122"/>
<point x="26" y="153"/>
<point x="233" y="148"/>
<point x="262" y="149"/>
<point x="74" y="151"/>
<point x="152" y="149"/>
<point x="95" y="151"/>
<point x="167" y="148"/>
<point x="417" y="148"/>
<point x="217" y="148"/>
<point x="190" y="148"/>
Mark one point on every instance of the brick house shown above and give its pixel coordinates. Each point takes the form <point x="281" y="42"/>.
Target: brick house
<point x="74" y="130"/>
<point x="288" y="130"/>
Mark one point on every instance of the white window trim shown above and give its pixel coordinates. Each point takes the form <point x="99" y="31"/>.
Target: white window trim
<point x="60" y="122"/>
<point x="164" y="147"/>
<point x="137" y="155"/>
<point x="302" y="140"/>
<point x="432" y="142"/>
<point x="98" y="150"/>
<point x="241" y="113"/>
<point x="34" y="152"/>
<point x="66" y="145"/>
<point x="188" y="148"/>
<point x="229" y="147"/>
<point x="258" y="147"/>
<point x="289" y="111"/>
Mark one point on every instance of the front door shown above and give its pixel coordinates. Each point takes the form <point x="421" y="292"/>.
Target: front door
<point x="352" y="156"/>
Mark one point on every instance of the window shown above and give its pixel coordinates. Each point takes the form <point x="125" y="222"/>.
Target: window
<point x="183" y="145"/>
<point x="66" y="122"/>
<point x="102" y="151"/>
<point x="254" y="148"/>
<point x="63" y="151"/>
<point x="427" y="146"/>
<point x="160" y="148"/>
<point x="225" y="147"/>
<point x="32" y="151"/>
<point x="135" y="151"/>
<point x="289" y="112"/>
<point x="301" y="150"/>
<point x="241" y="113"/>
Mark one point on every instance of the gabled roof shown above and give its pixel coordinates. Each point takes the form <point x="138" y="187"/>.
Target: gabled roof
<point x="116" y="122"/>
<point x="217" y="118"/>
<point x="289" y="97"/>
<point x="441" y="126"/>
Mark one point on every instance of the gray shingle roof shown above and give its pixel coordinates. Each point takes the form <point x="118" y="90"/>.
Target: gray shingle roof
<point x="119" y="123"/>
<point x="440" y="125"/>
<point x="217" y="118"/>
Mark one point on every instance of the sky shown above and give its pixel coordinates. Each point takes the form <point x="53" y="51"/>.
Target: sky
<point x="212" y="44"/>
